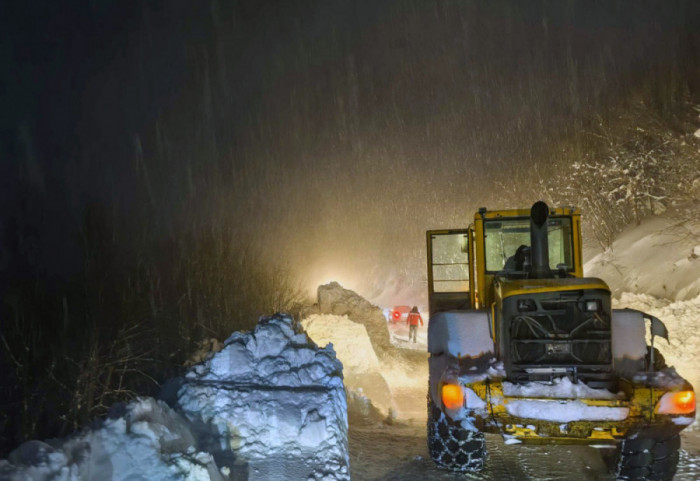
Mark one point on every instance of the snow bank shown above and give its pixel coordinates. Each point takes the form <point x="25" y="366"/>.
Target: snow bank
<point x="561" y="388"/>
<point x="147" y="441"/>
<point x="275" y="400"/>
<point x="350" y="341"/>
<point x="269" y="406"/>
<point x="361" y="368"/>
<point x="373" y="368"/>
<point x="334" y="299"/>
<point x="658" y="258"/>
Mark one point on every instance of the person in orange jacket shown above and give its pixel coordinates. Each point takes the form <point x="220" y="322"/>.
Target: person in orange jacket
<point x="412" y="320"/>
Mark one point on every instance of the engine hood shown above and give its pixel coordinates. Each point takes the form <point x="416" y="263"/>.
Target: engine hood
<point x="512" y="287"/>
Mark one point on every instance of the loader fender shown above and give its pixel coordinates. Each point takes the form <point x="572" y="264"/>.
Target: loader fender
<point x="460" y="334"/>
<point x="457" y="340"/>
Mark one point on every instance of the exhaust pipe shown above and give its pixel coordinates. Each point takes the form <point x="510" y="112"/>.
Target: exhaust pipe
<point x="539" y="242"/>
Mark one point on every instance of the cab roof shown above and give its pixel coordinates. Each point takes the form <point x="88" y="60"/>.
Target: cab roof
<point x="483" y="213"/>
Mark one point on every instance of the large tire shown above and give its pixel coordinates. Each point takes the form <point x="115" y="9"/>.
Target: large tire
<point x="451" y="446"/>
<point x="648" y="458"/>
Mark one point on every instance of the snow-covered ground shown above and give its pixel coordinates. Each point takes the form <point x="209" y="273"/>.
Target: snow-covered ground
<point x="660" y="257"/>
<point x="399" y="335"/>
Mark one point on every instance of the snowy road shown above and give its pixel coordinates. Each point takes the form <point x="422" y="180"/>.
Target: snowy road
<point x="399" y="453"/>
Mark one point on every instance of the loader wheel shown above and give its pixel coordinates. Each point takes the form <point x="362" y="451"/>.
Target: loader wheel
<point x="451" y="446"/>
<point x="648" y="458"/>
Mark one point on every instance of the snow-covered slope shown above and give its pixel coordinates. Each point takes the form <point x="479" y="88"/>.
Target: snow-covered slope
<point x="660" y="257"/>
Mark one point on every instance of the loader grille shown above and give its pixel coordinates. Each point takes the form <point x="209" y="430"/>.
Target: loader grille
<point x="556" y="334"/>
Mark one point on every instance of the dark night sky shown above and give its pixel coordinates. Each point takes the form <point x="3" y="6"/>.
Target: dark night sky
<point x="332" y="133"/>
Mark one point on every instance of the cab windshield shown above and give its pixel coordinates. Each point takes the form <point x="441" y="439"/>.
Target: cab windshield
<point x="502" y="238"/>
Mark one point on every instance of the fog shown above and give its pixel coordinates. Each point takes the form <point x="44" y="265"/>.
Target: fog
<point x="331" y="135"/>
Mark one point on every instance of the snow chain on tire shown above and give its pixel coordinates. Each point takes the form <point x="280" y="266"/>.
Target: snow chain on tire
<point x="451" y="446"/>
<point x="648" y="458"/>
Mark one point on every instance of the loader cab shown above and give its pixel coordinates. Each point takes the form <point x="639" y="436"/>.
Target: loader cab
<point x="503" y="248"/>
<point x="464" y="263"/>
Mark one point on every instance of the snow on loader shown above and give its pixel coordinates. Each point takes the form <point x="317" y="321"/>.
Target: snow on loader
<point x="523" y="345"/>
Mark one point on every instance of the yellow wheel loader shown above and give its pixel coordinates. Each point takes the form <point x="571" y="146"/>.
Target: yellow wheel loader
<point x="523" y="345"/>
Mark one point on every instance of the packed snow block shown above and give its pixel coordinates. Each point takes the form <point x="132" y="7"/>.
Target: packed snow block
<point x="275" y="401"/>
<point x="461" y="334"/>
<point x="353" y="347"/>
<point x="142" y="440"/>
<point x="334" y="299"/>
<point x="629" y="346"/>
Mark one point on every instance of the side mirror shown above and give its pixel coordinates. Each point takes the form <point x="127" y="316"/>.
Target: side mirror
<point x="657" y="328"/>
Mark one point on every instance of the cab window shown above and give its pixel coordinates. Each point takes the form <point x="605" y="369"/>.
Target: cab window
<point x="450" y="262"/>
<point x="502" y="238"/>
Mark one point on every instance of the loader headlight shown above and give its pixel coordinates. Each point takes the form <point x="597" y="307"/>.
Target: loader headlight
<point x="681" y="402"/>
<point x="452" y="396"/>
<point x="592" y="306"/>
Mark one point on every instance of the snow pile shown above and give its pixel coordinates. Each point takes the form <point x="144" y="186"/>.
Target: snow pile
<point x="561" y="388"/>
<point x="374" y="369"/>
<point x="658" y="257"/>
<point x="275" y="400"/>
<point x="352" y="345"/>
<point x="270" y="405"/>
<point x="334" y="299"/>
<point x="147" y="440"/>
<point x="564" y="411"/>
<point x="350" y="341"/>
